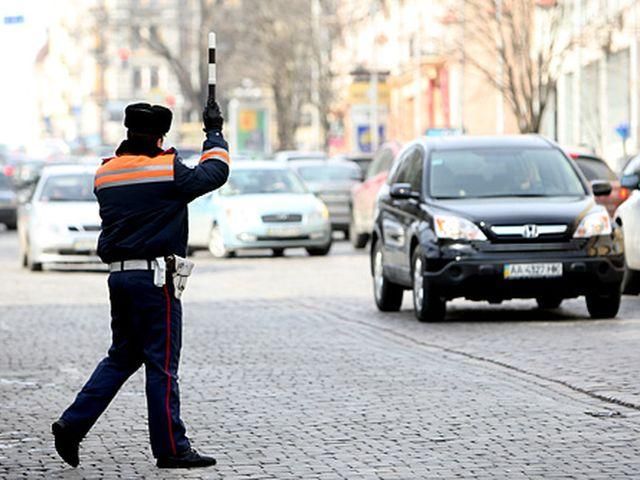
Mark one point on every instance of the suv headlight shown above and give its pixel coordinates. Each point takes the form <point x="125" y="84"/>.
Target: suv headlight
<point x="594" y="224"/>
<point x="457" y="228"/>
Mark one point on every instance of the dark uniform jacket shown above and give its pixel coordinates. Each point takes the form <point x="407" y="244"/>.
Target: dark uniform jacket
<point x="143" y="198"/>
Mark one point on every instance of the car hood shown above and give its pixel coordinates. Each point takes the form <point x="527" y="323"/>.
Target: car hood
<point x="272" y="203"/>
<point x="69" y="213"/>
<point x="519" y="210"/>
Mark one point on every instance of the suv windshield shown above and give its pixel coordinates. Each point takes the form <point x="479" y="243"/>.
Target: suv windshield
<point x="502" y="172"/>
<point x="252" y="181"/>
<point x="68" y="188"/>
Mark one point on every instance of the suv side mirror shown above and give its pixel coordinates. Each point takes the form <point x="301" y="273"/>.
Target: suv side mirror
<point x="601" y="188"/>
<point x="632" y="181"/>
<point x="402" y="191"/>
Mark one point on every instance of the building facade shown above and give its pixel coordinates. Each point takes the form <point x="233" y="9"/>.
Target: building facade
<point x="597" y="93"/>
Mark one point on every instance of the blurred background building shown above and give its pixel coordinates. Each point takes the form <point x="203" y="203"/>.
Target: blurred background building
<point x="341" y="75"/>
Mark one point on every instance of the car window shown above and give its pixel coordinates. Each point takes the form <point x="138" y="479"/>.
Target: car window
<point x="502" y="172"/>
<point x="5" y="184"/>
<point x="595" y="169"/>
<point x="68" y="188"/>
<point x="410" y="169"/>
<point x="633" y="166"/>
<point x="381" y="163"/>
<point x="258" y="181"/>
<point x="329" y="173"/>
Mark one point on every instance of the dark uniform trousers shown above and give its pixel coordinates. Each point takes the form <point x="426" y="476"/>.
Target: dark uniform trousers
<point x="146" y="323"/>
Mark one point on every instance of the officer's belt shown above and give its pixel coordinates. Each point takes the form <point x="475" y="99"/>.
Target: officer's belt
<point x="126" y="265"/>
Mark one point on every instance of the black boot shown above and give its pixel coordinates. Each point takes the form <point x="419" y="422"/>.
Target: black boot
<point x="187" y="459"/>
<point x="67" y="443"/>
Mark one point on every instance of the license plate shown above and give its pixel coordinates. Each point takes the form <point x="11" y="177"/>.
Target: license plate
<point x="284" y="232"/>
<point x="532" y="270"/>
<point x="85" y="245"/>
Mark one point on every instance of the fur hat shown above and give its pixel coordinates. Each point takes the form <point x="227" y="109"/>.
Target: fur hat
<point x="147" y="119"/>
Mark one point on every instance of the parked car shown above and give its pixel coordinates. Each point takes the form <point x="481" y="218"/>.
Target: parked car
<point x="595" y="168"/>
<point x="8" y="203"/>
<point x="263" y="205"/>
<point x="363" y="195"/>
<point x="628" y="215"/>
<point x="61" y="222"/>
<point x="493" y="218"/>
<point x="331" y="181"/>
<point x="289" y="155"/>
<point x="362" y="159"/>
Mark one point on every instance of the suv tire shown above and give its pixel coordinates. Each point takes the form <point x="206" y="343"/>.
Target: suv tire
<point x="604" y="305"/>
<point x="388" y="295"/>
<point x="428" y="306"/>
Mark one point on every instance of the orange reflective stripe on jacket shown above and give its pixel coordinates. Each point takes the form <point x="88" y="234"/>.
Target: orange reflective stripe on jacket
<point x="216" y="153"/>
<point x="134" y="169"/>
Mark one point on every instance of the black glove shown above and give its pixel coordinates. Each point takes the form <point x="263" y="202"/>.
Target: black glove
<point x="211" y="116"/>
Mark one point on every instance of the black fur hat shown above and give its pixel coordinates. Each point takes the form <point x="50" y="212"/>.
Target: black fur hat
<point x="147" y="119"/>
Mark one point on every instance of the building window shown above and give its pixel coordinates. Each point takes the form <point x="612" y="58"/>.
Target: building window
<point x="137" y="79"/>
<point x="154" y="77"/>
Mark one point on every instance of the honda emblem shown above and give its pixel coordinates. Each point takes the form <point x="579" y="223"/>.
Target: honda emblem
<point x="530" y="231"/>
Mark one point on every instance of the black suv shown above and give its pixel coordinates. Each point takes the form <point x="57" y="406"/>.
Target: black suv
<point x="493" y="218"/>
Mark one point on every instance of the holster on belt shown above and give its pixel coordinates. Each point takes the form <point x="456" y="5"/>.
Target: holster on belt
<point x="180" y="269"/>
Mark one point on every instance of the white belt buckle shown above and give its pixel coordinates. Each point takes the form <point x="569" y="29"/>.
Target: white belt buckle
<point x="159" y="272"/>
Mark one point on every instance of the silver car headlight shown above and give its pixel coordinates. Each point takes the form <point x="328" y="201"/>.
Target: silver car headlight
<point x="322" y="213"/>
<point x="594" y="224"/>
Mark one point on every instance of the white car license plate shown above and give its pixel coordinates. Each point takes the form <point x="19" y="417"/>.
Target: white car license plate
<point x="284" y="232"/>
<point x="532" y="270"/>
<point x="85" y="245"/>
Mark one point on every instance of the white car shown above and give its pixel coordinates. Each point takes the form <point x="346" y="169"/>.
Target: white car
<point x="628" y="214"/>
<point x="61" y="222"/>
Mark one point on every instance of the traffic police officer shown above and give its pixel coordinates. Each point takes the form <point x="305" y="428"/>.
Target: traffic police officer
<point x="143" y="194"/>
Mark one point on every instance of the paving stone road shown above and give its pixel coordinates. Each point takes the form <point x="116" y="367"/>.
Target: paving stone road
<point x="289" y="372"/>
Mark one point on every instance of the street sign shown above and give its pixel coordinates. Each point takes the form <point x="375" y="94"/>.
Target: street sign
<point x="13" y="19"/>
<point x="623" y="130"/>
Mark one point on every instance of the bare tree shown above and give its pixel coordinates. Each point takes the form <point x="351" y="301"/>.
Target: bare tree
<point x="274" y="48"/>
<point x="189" y="63"/>
<point x="518" y="46"/>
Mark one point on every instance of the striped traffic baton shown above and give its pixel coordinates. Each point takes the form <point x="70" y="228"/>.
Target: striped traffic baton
<point x="212" y="66"/>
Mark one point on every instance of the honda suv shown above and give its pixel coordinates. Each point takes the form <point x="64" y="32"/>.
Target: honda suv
<point x="493" y="218"/>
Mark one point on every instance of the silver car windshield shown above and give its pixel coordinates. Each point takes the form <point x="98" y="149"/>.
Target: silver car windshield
<point x="328" y="173"/>
<point x="259" y="181"/>
<point x="68" y="188"/>
<point x="502" y="172"/>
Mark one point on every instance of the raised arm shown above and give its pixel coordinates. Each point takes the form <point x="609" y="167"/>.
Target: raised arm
<point x="213" y="169"/>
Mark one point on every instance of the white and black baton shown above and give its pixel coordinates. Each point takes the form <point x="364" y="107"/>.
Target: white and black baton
<point x="212" y="66"/>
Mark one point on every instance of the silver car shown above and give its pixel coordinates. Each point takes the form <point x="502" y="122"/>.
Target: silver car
<point x="263" y="205"/>
<point x="61" y="222"/>
<point x="331" y="181"/>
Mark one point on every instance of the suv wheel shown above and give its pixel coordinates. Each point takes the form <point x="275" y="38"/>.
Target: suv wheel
<point x="387" y="294"/>
<point x="548" y="303"/>
<point x="427" y="304"/>
<point x="603" y="305"/>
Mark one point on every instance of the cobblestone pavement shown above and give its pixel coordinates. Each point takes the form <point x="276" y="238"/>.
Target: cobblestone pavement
<point x="288" y="371"/>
